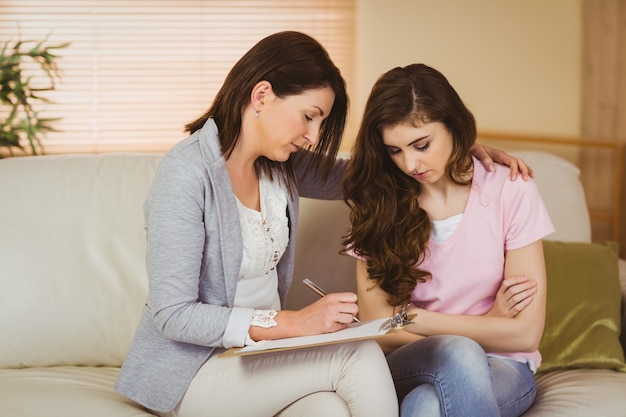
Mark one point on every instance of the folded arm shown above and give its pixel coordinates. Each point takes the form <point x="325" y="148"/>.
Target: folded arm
<point x="521" y="333"/>
<point x="498" y="331"/>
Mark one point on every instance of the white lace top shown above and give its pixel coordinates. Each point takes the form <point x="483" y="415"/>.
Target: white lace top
<point x="265" y="236"/>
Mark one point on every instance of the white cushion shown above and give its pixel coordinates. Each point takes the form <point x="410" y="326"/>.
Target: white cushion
<point x="73" y="274"/>
<point x="64" y="391"/>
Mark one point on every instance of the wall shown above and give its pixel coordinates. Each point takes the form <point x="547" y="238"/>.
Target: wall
<point x="521" y="66"/>
<point x="516" y="64"/>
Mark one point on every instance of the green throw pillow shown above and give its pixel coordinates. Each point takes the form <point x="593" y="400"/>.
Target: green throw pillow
<point x="583" y="307"/>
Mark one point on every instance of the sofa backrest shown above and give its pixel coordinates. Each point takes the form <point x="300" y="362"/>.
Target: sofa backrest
<point x="72" y="251"/>
<point x="72" y="247"/>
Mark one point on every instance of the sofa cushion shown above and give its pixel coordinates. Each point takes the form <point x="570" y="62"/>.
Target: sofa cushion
<point x="73" y="274"/>
<point x="64" y="391"/>
<point x="583" y="314"/>
<point x="579" y="393"/>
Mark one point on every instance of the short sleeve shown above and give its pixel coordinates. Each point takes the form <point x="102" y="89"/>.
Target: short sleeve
<point x="525" y="214"/>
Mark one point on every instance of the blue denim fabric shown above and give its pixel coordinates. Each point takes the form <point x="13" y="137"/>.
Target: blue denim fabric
<point x="452" y="376"/>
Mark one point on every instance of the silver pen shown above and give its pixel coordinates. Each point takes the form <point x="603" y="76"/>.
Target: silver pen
<point x="319" y="291"/>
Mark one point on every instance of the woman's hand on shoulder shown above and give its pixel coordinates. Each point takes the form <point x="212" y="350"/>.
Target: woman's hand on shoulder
<point x="514" y="295"/>
<point x="488" y="155"/>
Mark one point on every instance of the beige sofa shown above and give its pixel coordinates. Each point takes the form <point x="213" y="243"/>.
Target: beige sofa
<point x="73" y="282"/>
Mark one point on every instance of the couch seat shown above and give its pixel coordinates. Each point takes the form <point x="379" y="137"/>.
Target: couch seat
<point x="44" y="391"/>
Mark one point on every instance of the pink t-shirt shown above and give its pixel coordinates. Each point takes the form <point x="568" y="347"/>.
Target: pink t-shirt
<point x="467" y="269"/>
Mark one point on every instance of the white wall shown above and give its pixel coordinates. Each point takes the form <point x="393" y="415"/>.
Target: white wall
<point x="515" y="63"/>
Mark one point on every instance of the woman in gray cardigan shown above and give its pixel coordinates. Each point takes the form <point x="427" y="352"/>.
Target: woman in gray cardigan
<point x="220" y="219"/>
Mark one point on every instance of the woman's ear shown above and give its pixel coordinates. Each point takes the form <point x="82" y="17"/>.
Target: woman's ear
<point x="260" y="93"/>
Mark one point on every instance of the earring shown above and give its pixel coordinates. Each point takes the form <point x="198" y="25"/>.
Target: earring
<point x="256" y="113"/>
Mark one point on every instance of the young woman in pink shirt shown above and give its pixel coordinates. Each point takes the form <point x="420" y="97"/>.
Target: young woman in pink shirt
<point x="460" y="245"/>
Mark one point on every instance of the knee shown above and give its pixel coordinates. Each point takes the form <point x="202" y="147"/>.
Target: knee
<point x="463" y="358"/>
<point x="460" y="349"/>
<point x="435" y="354"/>
<point x="361" y="351"/>
<point x="369" y="348"/>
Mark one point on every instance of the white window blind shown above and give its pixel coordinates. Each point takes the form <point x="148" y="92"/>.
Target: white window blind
<point x="137" y="71"/>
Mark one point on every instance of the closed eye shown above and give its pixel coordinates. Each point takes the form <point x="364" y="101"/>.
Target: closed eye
<point x="423" y="148"/>
<point x="308" y="118"/>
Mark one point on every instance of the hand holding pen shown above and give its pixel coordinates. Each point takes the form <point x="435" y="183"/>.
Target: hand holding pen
<point x="319" y="291"/>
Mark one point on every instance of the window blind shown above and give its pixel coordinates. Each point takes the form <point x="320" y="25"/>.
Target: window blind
<point x="137" y="71"/>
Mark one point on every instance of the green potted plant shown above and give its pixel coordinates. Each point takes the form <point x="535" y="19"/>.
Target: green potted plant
<point x="21" y="62"/>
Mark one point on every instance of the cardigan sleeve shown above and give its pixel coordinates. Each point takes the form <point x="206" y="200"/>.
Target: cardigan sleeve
<point x="175" y="215"/>
<point x="310" y="181"/>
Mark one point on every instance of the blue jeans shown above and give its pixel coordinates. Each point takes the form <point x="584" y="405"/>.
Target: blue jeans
<point x="452" y="376"/>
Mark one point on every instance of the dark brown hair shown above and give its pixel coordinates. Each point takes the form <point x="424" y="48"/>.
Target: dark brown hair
<point x="292" y="62"/>
<point x="389" y="228"/>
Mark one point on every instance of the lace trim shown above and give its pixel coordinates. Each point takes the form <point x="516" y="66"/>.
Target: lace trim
<point x="266" y="234"/>
<point x="264" y="318"/>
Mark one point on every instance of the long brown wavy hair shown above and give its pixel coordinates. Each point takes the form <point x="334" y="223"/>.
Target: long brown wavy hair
<point x="292" y="62"/>
<point x="389" y="228"/>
